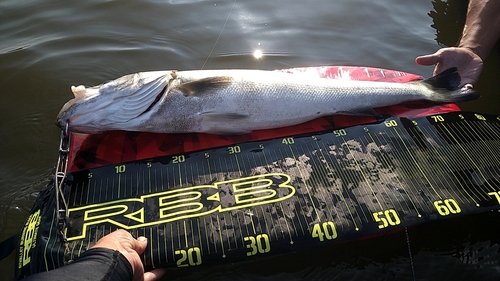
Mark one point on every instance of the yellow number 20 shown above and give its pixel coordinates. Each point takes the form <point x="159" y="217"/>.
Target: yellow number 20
<point x="189" y="257"/>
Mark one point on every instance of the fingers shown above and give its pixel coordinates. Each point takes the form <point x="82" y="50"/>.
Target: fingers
<point x="154" y="274"/>
<point x="122" y="240"/>
<point x="140" y="244"/>
<point x="428" y="59"/>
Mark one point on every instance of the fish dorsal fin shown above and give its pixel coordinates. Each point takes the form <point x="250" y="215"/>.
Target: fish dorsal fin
<point x="205" y="85"/>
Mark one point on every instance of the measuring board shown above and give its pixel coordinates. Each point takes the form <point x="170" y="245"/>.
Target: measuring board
<point x="262" y="198"/>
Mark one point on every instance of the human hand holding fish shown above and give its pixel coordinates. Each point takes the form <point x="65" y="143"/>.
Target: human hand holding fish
<point x="238" y="101"/>
<point x="471" y="65"/>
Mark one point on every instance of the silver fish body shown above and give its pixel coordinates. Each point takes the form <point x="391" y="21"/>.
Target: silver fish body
<point x="237" y="101"/>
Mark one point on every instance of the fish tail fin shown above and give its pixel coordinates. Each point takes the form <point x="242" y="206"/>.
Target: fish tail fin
<point x="445" y="88"/>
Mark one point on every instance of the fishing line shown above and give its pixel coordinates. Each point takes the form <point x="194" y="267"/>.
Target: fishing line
<point x="220" y="34"/>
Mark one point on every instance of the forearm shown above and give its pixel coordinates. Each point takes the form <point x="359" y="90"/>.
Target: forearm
<point x="99" y="264"/>
<point x="482" y="27"/>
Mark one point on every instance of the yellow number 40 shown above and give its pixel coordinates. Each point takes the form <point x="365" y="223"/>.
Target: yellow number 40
<point x="325" y="230"/>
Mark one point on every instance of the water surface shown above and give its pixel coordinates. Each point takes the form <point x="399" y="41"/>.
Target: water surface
<point x="47" y="46"/>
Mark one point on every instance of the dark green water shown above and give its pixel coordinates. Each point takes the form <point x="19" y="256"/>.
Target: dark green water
<point x="47" y="46"/>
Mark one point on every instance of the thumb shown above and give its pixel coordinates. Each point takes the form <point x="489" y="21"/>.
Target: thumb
<point x="140" y="245"/>
<point x="428" y="59"/>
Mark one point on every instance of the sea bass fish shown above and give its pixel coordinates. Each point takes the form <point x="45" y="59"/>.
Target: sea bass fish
<point x="238" y="101"/>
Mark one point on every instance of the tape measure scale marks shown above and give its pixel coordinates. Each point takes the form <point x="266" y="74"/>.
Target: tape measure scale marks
<point x="261" y="198"/>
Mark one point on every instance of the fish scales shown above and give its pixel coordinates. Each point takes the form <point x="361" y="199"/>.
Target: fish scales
<point x="237" y="101"/>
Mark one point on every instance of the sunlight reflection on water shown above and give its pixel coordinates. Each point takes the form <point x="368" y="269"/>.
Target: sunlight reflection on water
<point x="48" y="46"/>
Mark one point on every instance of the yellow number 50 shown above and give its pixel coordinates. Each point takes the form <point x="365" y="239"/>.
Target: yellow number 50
<point x="386" y="218"/>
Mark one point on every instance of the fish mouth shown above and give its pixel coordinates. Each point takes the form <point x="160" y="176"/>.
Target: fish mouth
<point x="115" y="105"/>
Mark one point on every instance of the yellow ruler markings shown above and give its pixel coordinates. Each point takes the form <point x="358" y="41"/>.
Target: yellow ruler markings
<point x="238" y="164"/>
<point x="226" y="230"/>
<point x="439" y="172"/>
<point x="326" y="167"/>
<point x="89" y="187"/>
<point x="464" y="167"/>
<point x="185" y="234"/>
<point x="305" y="229"/>
<point x="165" y="242"/>
<point x="207" y="235"/>
<point x="287" y="226"/>
<point x="110" y="188"/>
<point x="240" y="229"/>
<point x="383" y="178"/>
<point x="191" y="227"/>
<point x="265" y="217"/>
<point x="416" y="163"/>
<point x="344" y="186"/>
<point x="306" y="185"/>
<point x="74" y="249"/>
<point x="198" y="219"/>
<point x="468" y="156"/>
<point x="280" y="205"/>
<point x="321" y="185"/>
<point x="403" y="163"/>
<point x="308" y="188"/>
<point x="447" y="166"/>
<point x="180" y="174"/>
<point x="99" y="189"/>
<point x="149" y="181"/>
<point x="365" y="179"/>
<point x="118" y="189"/>
<point x="483" y="156"/>
<point x="229" y="167"/>
<point x="345" y="169"/>
<point x="265" y="163"/>
<point x="151" y="252"/>
<point x="220" y="237"/>
<point x="173" y="245"/>
<point x="253" y="209"/>
<point x="484" y="152"/>
<point x="207" y="178"/>
<point x="178" y="228"/>
<point x="283" y="157"/>
<point x="104" y="190"/>
<point x="94" y="190"/>
<point x="249" y="214"/>
<point x="493" y="127"/>
<point x="409" y="193"/>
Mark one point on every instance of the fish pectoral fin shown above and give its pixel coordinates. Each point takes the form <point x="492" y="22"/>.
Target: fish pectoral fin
<point x="225" y="131"/>
<point x="361" y="112"/>
<point x="223" y="117"/>
<point x="223" y="123"/>
<point x="205" y="85"/>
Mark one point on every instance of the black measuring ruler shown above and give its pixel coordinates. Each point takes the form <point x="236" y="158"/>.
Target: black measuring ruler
<point x="262" y="198"/>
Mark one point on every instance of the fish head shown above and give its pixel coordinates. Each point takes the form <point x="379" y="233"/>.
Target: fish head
<point x="115" y="104"/>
